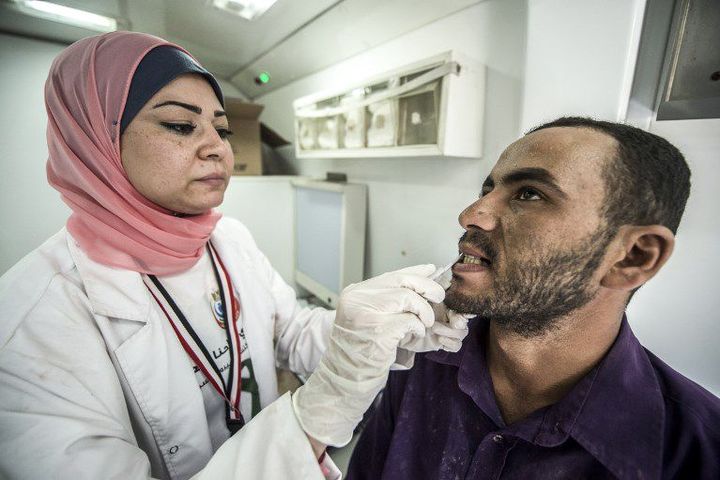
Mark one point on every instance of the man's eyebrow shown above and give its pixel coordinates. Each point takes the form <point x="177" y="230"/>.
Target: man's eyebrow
<point x="192" y="108"/>
<point x="538" y="175"/>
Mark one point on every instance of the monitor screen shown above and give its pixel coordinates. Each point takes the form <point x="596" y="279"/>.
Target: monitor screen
<point x="318" y="227"/>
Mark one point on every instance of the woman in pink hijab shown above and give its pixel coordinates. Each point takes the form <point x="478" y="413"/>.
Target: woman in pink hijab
<point x="116" y="358"/>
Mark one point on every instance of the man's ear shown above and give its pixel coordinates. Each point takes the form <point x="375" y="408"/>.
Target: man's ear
<point x="642" y="251"/>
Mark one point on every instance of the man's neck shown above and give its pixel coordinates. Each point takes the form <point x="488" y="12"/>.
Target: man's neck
<point x="531" y="373"/>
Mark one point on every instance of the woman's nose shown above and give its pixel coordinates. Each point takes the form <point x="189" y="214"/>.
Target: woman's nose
<point x="213" y="146"/>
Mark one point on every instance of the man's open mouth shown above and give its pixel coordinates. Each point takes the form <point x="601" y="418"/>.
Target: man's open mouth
<point x="474" y="260"/>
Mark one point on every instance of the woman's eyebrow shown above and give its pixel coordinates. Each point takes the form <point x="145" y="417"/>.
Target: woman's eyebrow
<point x="192" y="108"/>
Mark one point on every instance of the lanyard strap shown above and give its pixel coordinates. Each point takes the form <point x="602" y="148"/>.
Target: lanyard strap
<point x="230" y="391"/>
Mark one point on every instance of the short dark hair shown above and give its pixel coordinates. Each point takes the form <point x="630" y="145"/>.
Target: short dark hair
<point x="648" y="181"/>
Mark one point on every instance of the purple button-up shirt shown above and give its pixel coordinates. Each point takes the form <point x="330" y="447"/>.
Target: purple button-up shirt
<point x="631" y="417"/>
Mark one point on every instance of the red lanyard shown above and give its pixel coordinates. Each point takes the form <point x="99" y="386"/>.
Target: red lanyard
<point x="196" y="350"/>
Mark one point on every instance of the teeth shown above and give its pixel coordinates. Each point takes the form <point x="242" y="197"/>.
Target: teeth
<point x="474" y="260"/>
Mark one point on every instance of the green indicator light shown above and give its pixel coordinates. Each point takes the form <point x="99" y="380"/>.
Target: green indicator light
<point x="264" y="77"/>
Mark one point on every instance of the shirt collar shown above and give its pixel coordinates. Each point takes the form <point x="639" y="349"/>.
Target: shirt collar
<point x="616" y="412"/>
<point x="622" y="419"/>
<point x="473" y="374"/>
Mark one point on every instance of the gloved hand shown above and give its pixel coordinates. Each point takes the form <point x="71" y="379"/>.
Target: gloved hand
<point x="447" y="333"/>
<point x="371" y="319"/>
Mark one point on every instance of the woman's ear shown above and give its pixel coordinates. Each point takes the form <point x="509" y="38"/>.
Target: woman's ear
<point x="645" y="249"/>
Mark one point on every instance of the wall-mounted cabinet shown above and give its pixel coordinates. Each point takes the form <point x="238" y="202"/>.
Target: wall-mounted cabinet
<point x="432" y="107"/>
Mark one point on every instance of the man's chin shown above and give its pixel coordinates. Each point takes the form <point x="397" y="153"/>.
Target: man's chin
<point x="463" y="303"/>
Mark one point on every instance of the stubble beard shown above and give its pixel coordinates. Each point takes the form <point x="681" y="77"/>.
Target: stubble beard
<point x="530" y="298"/>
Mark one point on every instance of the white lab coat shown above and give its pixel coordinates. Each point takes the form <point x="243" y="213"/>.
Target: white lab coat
<point x="94" y="384"/>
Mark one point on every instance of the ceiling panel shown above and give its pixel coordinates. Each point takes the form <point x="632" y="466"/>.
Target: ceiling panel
<point x="12" y="21"/>
<point x="348" y="29"/>
<point x="225" y="43"/>
<point x="294" y="38"/>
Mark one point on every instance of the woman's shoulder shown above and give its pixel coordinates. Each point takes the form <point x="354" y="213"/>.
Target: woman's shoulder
<point x="229" y="225"/>
<point x="37" y="269"/>
<point x="34" y="280"/>
<point x="231" y="231"/>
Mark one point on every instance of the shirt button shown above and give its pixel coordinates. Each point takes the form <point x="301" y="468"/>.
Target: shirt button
<point x="498" y="439"/>
<point x="173" y="450"/>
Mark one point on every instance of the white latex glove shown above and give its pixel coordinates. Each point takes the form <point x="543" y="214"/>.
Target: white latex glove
<point x="447" y="333"/>
<point x="371" y="319"/>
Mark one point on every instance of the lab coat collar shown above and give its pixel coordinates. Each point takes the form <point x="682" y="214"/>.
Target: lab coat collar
<point x="120" y="293"/>
<point x="113" y="292"/>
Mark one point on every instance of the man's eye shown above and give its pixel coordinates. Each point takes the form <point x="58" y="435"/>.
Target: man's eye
<point x="528" y="194"/>
<point x="223" y="132"/>
<point x="179" y="128"/>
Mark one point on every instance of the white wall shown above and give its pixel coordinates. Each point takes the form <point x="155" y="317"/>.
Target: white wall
<point x="230" y="90"/>
<point x="413" y="203"/>
<point x="580" y="58"/>
<point x="30" y="210"/>
<point x="265" y="205"/>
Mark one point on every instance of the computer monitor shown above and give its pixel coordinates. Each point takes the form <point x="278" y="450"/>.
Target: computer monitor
<point x="329" y="236"/>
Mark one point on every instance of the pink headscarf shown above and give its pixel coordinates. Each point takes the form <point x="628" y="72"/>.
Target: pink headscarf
<point x="113" y="223"/>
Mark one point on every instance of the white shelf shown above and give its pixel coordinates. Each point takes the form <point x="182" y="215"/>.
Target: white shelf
<point x="433" y="107"/>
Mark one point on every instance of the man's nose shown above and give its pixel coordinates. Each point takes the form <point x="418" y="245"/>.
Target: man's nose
<point x="480" y="214"/>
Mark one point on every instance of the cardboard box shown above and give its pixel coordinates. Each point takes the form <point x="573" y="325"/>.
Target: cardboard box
<point x="249" y="136"/>
<point x="245" y="140"/>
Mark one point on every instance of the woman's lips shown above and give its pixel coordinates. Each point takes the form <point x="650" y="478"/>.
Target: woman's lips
<point x="213" y="180"/>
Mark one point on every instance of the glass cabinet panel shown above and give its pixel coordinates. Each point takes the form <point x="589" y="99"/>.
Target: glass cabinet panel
<point x="328" y="131"/>
<point x="354" y="127"/>
<point x="307" y="133"/>
<point x="382" y="126"/>
<point x="418" y="115"/>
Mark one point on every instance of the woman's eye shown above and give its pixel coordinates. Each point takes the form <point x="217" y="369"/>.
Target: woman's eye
<point x="528" y="194"/>
<point x="223" y="132"/>
<point x="180" y="128"/>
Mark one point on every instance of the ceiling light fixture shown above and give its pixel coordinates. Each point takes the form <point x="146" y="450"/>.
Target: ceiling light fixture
<point x="66" y="15"/>
<point x="247" y="9"/>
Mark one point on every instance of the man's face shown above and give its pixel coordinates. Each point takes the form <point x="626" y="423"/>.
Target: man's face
<point x="535" y="238"/>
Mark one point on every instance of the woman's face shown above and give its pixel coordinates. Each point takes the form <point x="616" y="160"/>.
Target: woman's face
<point x="175" y="151"/>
